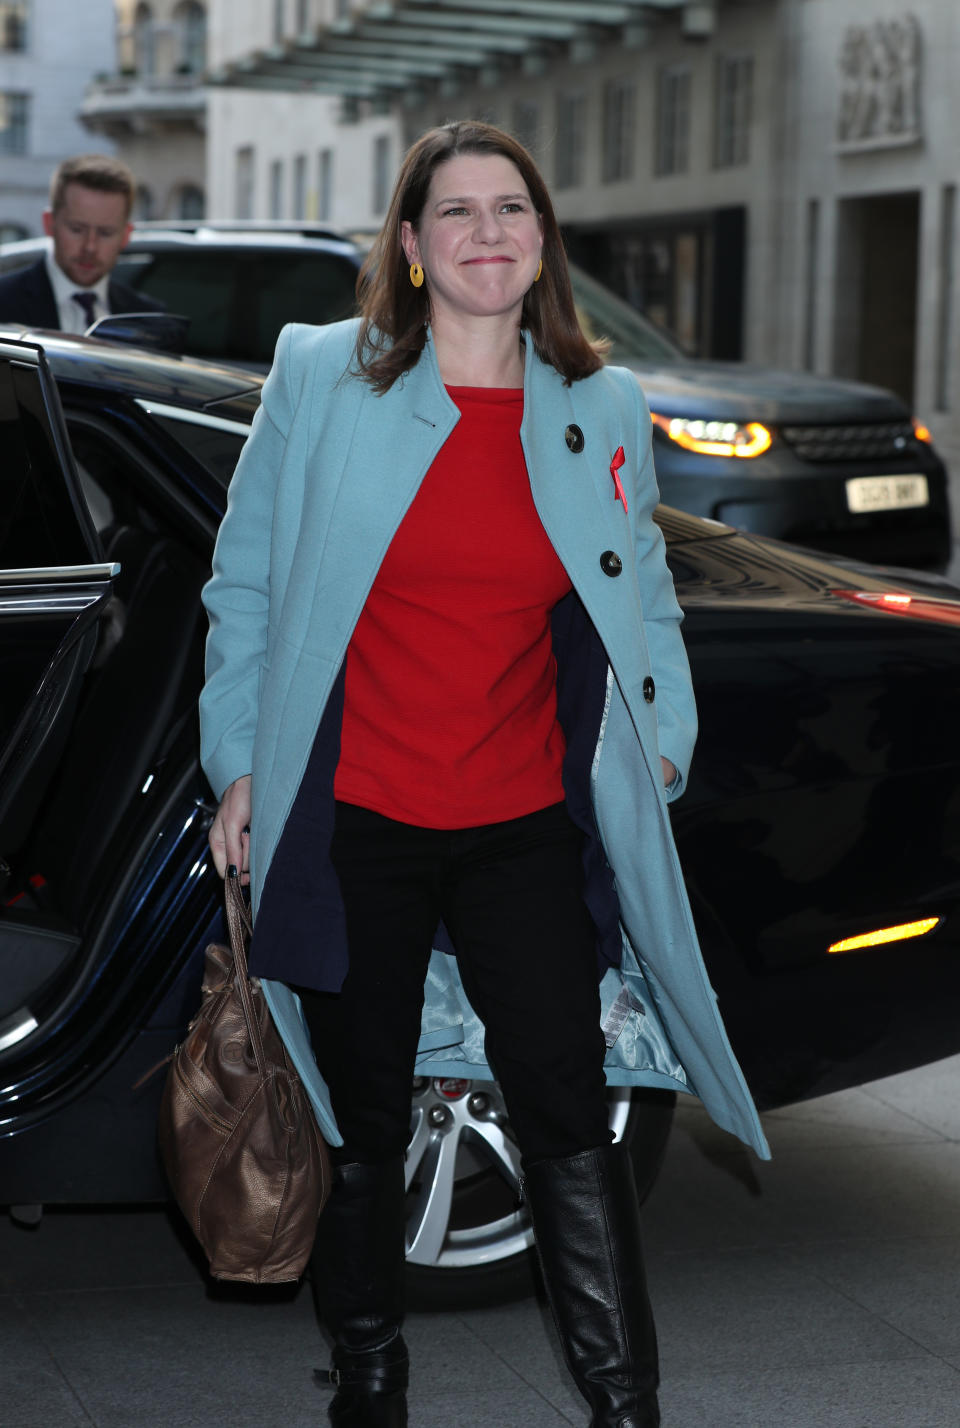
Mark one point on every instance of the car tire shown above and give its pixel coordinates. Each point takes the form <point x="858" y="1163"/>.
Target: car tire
<point x="482" y="1256"/>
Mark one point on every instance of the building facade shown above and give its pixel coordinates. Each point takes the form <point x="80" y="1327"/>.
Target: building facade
<point x="151" y="105"/>
<point x="290" y="157"/>
<point x="774" y="180"/>
<point x="868" y="282"/>
<point x="48" y="54"/>
<point x="292" y="151"/>
<point x="660" y="149"/>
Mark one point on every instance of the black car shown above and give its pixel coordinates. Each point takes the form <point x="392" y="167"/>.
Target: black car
<point x="831" y="464"/>
<point x="820" y="834"/>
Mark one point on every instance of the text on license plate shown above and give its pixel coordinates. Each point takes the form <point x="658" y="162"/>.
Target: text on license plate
<point x="886" y="493"/>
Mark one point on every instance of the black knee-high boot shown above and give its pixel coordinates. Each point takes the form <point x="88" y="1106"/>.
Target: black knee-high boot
<point x="358" y="1264"/>
<point x="587" y="1226"/>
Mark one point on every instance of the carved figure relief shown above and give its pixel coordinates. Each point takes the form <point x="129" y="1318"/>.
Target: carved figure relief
<point x="880" y="85"/>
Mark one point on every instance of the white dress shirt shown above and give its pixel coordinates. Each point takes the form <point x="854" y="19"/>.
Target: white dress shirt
<point x="72" y="316"/>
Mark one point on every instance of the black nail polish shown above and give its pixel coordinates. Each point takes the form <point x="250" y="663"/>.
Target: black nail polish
<point x="232" y="870"/>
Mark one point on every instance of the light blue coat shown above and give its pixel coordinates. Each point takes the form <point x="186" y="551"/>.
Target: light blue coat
<point x="323" y="483"/>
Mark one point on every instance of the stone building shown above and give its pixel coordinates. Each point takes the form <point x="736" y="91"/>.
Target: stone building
<point x="871" y="240"/>
<point x="775" y="180"/>
<point x="282" y="151"/>
<point x="151" y="105"/>
<point x="48" y="53"/>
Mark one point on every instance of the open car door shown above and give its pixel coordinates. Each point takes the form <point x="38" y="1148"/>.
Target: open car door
<point x="54" y="590"/>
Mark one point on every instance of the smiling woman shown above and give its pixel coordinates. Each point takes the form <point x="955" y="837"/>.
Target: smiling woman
<point x="448" y="773"/>
<point x="479" y="226"/>
<point x="478" y="243"/>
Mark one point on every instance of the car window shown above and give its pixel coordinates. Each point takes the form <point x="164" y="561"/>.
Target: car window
<point x="39" y="523"/>
<point x="603" y="314"/>
<point x="309" y="287"/>
<point x="238" y="302"/>
<point x="215" y="447"/>
<point x="201" y="285"/>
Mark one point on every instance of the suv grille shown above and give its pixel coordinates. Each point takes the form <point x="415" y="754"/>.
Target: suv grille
<point x="882" y="440"/>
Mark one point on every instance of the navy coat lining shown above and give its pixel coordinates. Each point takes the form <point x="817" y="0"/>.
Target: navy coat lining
<point x="300" y="934"/>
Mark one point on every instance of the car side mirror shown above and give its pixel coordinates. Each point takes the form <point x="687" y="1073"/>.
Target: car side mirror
<point x="161" y="331"/>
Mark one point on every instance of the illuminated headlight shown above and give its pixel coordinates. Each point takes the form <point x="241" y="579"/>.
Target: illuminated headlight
<point x="715" y="438"/>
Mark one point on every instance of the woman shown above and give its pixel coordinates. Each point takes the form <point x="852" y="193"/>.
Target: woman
<point x="446" y="688"/>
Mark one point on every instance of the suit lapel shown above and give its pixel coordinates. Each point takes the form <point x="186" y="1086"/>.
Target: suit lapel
<point x="39" y="298"/>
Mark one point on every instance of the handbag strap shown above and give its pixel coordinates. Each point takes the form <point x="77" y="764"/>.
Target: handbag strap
<point x="240" y="929"/>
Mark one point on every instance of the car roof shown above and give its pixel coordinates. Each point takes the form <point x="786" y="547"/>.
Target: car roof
<point x="234" y="235"/>
<point x="175" y="381"/>
<point x="238" y="240"/>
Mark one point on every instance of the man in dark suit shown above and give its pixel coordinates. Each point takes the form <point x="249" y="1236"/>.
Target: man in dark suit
<point x="88" y="223"/>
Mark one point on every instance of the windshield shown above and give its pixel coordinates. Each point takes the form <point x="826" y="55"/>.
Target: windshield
<point x="603" y="314"/>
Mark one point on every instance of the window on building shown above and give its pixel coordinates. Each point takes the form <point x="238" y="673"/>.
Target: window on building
<point x="303" y="16"/>
<point x="14" y="123"/>
<point x="190" y="201"/>
<point x="325" y="184"/>
<point x="946" y="284"/>
<point x="812" y="285"/>
<point x="342" y="9"/>
<point x="571" y="119"/>
<point x="143" y="205"/>
<point x="277" y="21"/>
<point x="619" y="103"/>
<point x="381" y="173"/>
<point x="14" y="28"/>
<point x="144" y="40"/>
<point x="526" y="123"/>
<point x="734" y="110"/>
<point x="673" y="120"/>
<point x="276" y="188"/>
<point x="243" y="202"/>
<point x="190" y="20"/>
<point x="300" y="186"/>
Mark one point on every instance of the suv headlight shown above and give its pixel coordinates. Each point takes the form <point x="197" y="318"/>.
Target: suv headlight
<point x="715" y="438"/>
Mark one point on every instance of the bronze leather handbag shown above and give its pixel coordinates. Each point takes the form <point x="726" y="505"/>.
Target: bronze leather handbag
<point x="238" y="1138"/>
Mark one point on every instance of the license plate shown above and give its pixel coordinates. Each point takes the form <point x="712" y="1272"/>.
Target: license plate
<point x="886" y="493"/>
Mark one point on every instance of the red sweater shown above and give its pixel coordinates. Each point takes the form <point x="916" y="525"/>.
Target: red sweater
<point x="450" y="718"/>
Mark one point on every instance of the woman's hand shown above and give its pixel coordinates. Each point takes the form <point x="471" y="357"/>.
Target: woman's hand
<point x="669" y="772"/>
<point x="229" y="836"/>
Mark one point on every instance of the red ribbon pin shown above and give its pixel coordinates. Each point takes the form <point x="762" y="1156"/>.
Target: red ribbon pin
<point x="615" y="464"/>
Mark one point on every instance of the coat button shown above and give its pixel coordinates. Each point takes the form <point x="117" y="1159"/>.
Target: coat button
<point x="649" y="690"/>
<point x="573" y="436"/>
<point x="610" y="563"/>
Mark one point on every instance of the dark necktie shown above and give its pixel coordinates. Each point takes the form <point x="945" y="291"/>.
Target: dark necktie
<point x="88" y="302"/>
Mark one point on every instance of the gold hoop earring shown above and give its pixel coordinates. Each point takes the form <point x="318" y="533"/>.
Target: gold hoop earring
<point x="416" y="275"/>
<point x="536" y="276"/>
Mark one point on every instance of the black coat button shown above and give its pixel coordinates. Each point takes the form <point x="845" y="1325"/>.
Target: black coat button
<point x="610" y="563"/>
<point x="649" y="690"/>
<point x="573" y="436"/>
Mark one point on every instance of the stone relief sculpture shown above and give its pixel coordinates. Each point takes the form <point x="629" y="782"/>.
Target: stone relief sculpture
<point x="880" y="85"/>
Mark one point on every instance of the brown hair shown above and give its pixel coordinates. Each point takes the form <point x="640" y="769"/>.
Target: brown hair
<point x="99" y="171"/>
<point x="394" y="313"/>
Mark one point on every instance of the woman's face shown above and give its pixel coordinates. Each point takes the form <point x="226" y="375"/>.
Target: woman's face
<point x="478" y="239"/>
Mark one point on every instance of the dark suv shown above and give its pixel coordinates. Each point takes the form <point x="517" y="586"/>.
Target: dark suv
<point x="831" y="464"/>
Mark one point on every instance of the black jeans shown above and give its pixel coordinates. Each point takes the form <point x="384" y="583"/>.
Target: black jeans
<point x="510" y="895"/>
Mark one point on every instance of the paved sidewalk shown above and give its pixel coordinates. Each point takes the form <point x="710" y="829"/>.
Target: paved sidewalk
<point x="819" y="1291"/>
